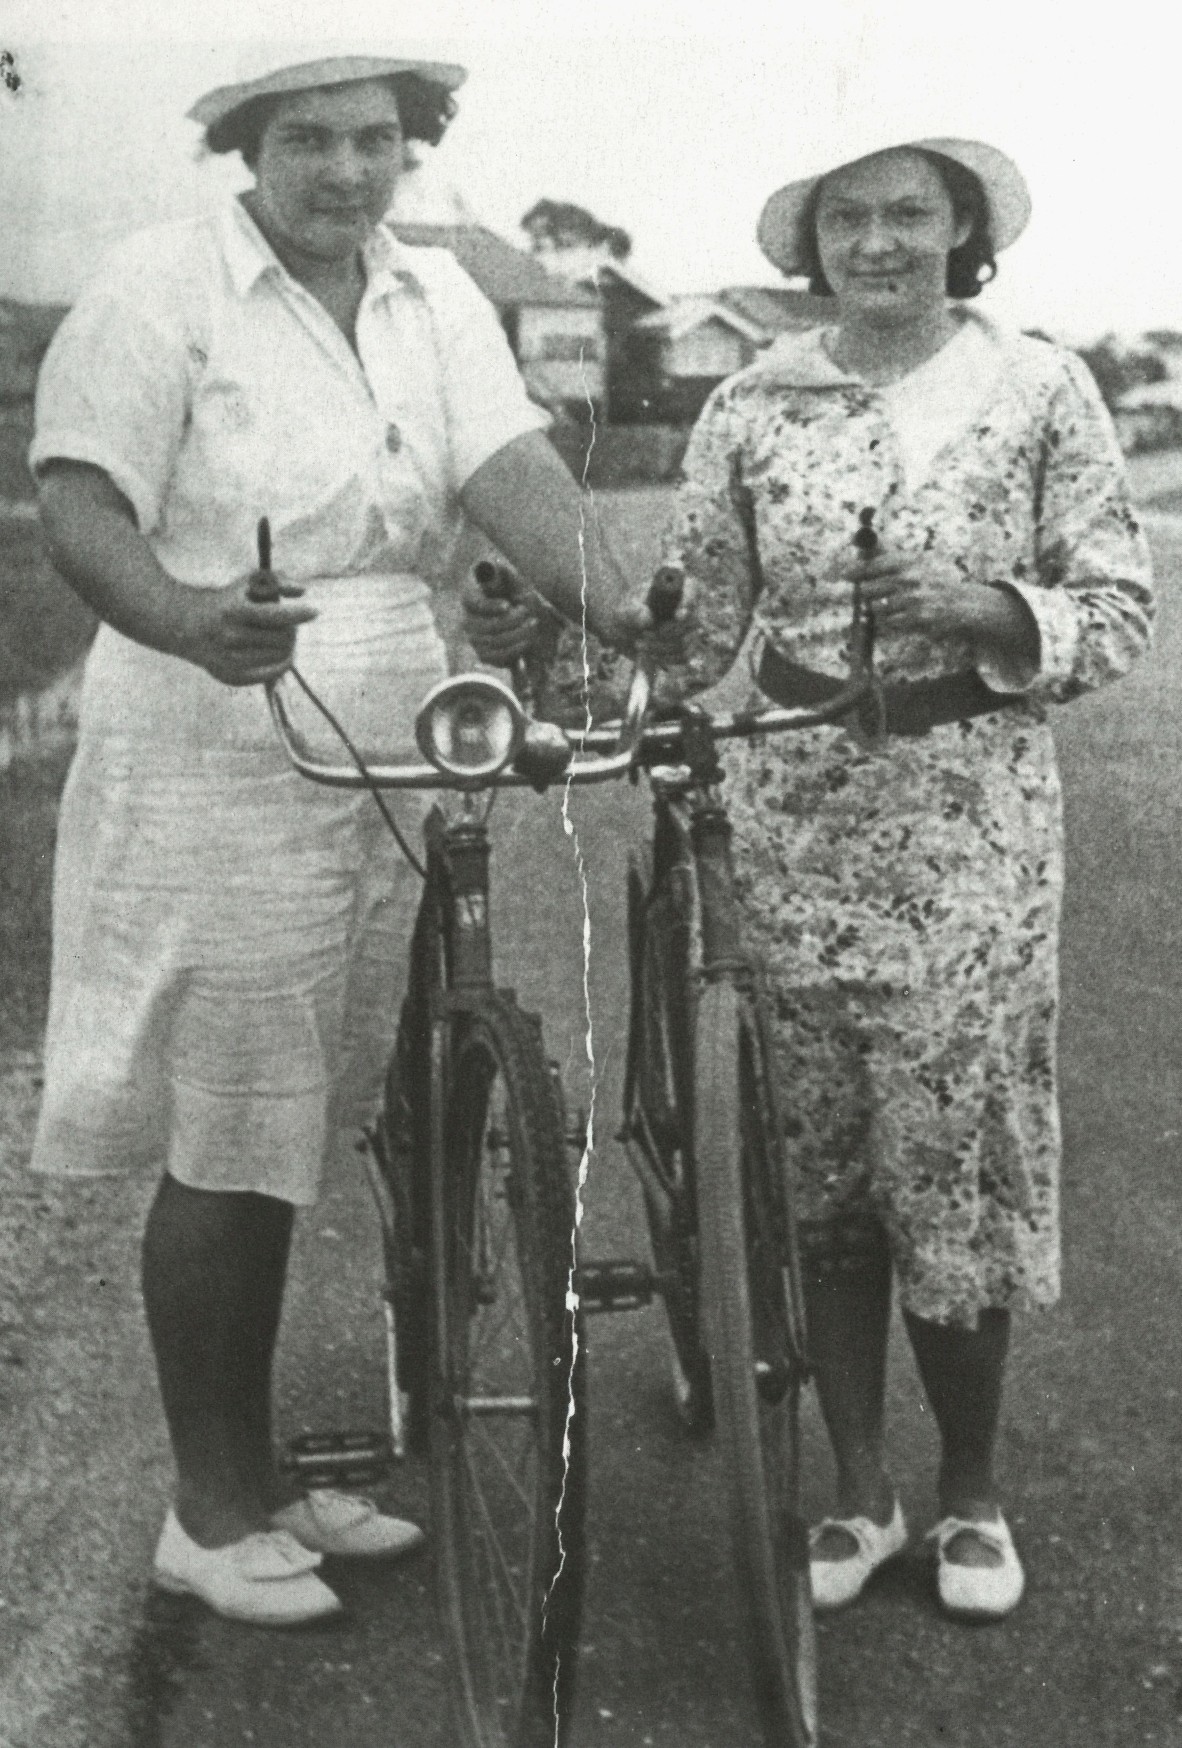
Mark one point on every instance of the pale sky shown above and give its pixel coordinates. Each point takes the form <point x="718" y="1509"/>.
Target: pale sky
<point x="672" y="118"/>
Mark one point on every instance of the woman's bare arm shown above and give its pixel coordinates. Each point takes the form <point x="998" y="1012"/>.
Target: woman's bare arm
<point x="525" y="499"/>
<point x="94" y="542"/>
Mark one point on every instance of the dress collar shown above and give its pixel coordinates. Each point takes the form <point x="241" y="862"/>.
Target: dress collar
<point x="249" y="256"/>
<point x="802" y="360"/>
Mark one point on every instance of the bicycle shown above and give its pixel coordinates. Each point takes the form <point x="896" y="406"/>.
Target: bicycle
<point x="470" y="1172"/>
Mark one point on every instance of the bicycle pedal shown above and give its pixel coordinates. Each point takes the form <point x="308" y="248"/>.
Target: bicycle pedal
<point x="345" y="1459"/>
<point x="615" y="1286"/>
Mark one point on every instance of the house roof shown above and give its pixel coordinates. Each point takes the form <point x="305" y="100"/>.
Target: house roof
<point x="625" y="276"/>
<point x="775" y="308"/>
<point x="687" y="313"/>
<point x="508" y="277"/>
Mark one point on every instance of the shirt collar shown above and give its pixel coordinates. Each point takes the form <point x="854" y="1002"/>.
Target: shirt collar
<point x="248" y="256"/>
<point x="803" y="360"/>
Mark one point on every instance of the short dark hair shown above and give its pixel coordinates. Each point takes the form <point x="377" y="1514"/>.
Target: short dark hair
<point x="424" y="110"/>
<point x="971" y="264"/>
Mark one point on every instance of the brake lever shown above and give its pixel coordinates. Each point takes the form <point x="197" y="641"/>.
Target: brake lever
<point x="264" y="584"/>
<point x="869" y="719"/>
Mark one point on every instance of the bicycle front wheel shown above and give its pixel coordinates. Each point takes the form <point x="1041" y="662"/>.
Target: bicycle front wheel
<point x="508" y="1420"/>
<point x="659" y="1119"/>
<point x="748" y="1304"/>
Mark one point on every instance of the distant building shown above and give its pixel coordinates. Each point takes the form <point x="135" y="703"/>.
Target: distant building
<point x="688" y="348"/>
<point x="776" y="308"/>
<point x="555" y="328"/>
<point x="683" y="350"/>
<point x="625" y="299"/>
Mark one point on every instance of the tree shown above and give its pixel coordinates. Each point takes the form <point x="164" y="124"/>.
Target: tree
<point x="558" y="226"/>
<point x="1118" y="368"/>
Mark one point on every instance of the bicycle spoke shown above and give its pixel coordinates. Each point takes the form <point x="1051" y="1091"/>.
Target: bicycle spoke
<point x="502" y="1659"/>
<point x="509" y="1577"/>
<point x="510" y="1310"/>
<point x="487" y="1332"/>
<point x="510" y="1474"/>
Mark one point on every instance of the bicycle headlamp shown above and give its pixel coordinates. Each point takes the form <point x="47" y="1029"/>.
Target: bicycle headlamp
<point x="470" y="728"/>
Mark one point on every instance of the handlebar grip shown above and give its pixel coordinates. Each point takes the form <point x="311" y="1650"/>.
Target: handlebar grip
<point x="497" y="582"/>
<point x="263" y="585"/>
<point x="665" y="592"/>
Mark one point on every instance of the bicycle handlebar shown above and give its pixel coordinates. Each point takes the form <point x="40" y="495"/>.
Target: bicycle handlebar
<point x="597" y="754"/>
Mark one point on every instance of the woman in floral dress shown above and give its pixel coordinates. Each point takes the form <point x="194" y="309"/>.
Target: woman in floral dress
<point x="905" y="896"/>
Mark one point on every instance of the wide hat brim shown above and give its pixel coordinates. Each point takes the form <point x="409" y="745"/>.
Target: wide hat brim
<point x="215" y="105"/>
<point x="781" y="236"/>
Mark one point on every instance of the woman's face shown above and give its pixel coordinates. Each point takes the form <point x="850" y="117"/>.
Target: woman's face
<point x="885" y="226"/>
<point x="326" y="168"/>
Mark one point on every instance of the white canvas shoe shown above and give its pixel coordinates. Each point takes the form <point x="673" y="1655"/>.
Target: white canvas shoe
<point x="984" y="1593"/>
<point x="838" y="1582"/>
<point x="347" y="1526"/>
<point x="267" y="1579"/>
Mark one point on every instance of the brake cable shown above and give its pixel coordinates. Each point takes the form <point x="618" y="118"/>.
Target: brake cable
<point x="363" y="770"/>
<point x="264" y="586"/>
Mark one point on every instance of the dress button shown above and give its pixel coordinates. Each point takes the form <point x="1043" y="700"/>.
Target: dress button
<point x="393" y="439"/>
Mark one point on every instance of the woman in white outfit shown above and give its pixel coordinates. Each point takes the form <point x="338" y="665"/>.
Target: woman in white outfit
<point x="229" y="940"/>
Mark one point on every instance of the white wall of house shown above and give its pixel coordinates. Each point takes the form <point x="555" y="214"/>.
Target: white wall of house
<point x="710" y="349"/>
<point x="561" y="352"/>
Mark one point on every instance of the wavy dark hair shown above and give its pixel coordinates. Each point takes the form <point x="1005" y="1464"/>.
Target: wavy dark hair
<point x="424" y="110"/>
<point x="971" y="264"/>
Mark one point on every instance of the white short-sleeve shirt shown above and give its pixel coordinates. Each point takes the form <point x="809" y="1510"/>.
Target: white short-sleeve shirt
<point x="213" y="389"/>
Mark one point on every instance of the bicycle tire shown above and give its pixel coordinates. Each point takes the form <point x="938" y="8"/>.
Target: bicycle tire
<point x="659" y="1118"/>
<point x="402" y="1155"/>
<point x="508" y="1487"/>
<point x="755" y="1367"/>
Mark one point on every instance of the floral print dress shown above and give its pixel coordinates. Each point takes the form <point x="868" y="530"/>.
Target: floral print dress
<point x="905" y="900"/>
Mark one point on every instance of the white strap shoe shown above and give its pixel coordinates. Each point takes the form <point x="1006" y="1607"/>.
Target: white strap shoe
<point x="266" y="1579"/>
<point x="983" y="1593"/>
<point x="345" y="1525"/>
<point x="836" y="1582"/>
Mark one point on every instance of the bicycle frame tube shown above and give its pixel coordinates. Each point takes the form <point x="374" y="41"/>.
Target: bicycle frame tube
<point x="463" y="848"/>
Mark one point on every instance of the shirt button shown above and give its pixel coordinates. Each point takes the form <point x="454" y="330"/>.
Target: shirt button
<point x="393" y="439"/>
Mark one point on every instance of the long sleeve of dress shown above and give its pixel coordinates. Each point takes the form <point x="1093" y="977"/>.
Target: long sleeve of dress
<point x="710" y="539"/>
<point x="1091" y="592"/>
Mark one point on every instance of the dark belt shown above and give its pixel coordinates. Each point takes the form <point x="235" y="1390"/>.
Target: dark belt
<point x="910" y="706"/>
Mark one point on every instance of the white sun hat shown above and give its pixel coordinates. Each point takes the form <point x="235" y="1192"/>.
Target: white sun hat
<point x="781" y="234"/>
<point x="276" y="70"/>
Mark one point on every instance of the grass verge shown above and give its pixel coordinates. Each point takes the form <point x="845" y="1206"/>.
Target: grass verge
<point x="44" y="627"/>
<point x="29" y="793"/>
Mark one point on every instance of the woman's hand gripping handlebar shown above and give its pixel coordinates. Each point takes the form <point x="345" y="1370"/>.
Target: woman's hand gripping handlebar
<point x="244" y="633"/>
<point x="543" y="753"/>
